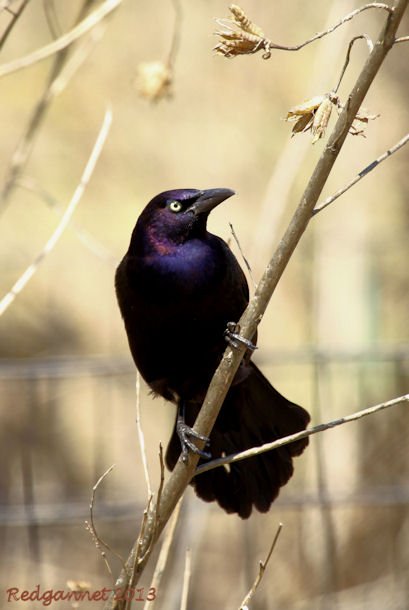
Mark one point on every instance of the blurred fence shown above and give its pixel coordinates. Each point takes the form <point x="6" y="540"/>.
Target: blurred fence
<point x="66" y="419"/>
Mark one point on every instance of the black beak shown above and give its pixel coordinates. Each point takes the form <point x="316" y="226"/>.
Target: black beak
<point x="208" y="200"/>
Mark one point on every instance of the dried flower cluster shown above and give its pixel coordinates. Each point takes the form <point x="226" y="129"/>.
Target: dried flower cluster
<point x="248" y="38"/>
<point x="154" y="80"/>
<point x="315" y="113"/>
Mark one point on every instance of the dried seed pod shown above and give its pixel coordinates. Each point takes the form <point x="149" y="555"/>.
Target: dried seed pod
<point x="249" y="38"/>
<point x="306" y="108"/>
<point x="238" y="43"/>
<point x="321" y="118"/>
<point x="245" y="22"/>
<point x="303" y="123"/>
<point x="154" y="80"/>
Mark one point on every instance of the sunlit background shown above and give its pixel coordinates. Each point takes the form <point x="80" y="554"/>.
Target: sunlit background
<point x="334" y="339"/>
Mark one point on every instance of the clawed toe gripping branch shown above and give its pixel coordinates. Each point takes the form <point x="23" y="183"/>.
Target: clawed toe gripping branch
<point x="235" y="339"/>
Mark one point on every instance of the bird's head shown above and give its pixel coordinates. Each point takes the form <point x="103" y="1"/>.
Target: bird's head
<point x="176" y="216"/>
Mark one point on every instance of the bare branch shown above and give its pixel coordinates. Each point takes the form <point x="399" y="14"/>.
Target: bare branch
<point x="344" y="67"/>
<point x="247" y="264"/>
<point x="90" y="526"/>
<point x="64" y="41"/>
<point x="237" y="457"/>
<point x="244" y="42"/>
<point x="361" y="174"/>
<point x="402" y="39"/>
<point x="141" y="434"/>
<point x="376" y="5"/>
<point x="262" y="569"/>
<point x="79" y="191"/>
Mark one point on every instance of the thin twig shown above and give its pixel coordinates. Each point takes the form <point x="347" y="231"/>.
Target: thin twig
<point x="177" y="27"/>
<point x="52" y="241"/>
<point x="345" y="19"/>
<point x="346" y="62"/>
<point x="361" y="174"/>
<point x="402" y="39"/>
<point x="237" y="457"/>
<point x="64" y="41"/>
<point x="186" y="580"/>
<point x="90" y="526"/>
<point x="236" y="239"/>
<point x="262" y="569"/>
<point x="231" y="48"/>
<point x="141" y="435"/>
<point x="163" y="555"/>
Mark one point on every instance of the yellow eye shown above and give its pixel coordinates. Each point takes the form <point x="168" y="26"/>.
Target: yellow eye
<point x="175" y="206"/>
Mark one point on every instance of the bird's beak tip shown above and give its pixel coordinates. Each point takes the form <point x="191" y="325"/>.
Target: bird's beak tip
<point x="210" y="198"/>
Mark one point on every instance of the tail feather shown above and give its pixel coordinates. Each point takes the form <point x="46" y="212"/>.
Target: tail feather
<point x="253" y="413"/>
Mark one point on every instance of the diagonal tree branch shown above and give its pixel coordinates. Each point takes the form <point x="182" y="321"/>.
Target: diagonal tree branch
<point x="224" y="375"/>
<point x="23" y="280"/>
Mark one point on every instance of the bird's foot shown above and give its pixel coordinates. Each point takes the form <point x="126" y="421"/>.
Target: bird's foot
<point x="234" y="338"/>
<point x="185" y="433"/>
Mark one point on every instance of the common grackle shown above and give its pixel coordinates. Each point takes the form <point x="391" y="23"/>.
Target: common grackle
<point x="178" y="288"/>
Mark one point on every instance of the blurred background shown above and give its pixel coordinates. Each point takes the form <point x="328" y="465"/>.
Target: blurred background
<point x="334" y="339"/>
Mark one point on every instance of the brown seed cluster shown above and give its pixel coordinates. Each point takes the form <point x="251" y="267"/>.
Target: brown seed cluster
<point x="315" y="113"/>
<point x="248" y="38"/>
<point x="244" y="22"/>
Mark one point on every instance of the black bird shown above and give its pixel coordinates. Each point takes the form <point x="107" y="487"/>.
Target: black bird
<point x="178" y="288"/>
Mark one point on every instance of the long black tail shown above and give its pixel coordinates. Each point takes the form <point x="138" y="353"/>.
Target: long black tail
<point x="253" y="413"/>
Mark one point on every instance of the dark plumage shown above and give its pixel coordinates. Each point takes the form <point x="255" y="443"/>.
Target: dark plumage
<point x="178" y="286"/>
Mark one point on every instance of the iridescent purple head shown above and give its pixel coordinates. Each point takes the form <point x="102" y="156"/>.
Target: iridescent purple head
<point x="175" y="216"/>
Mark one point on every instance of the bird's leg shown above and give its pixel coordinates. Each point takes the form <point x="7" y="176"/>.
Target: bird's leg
<point x="185" y="433"/>
<point x="234" y="338"/>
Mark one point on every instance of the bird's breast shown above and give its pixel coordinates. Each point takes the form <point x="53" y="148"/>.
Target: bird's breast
<point x="189" y="269"/>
